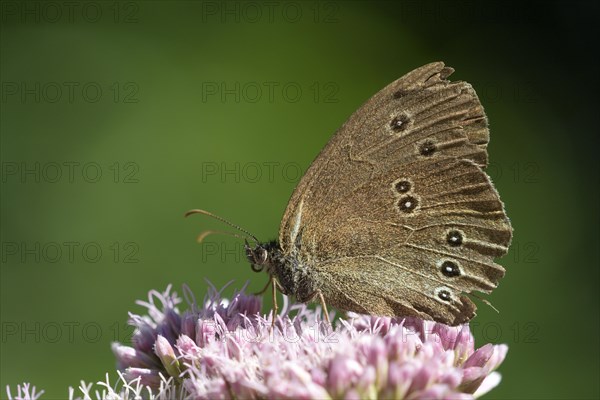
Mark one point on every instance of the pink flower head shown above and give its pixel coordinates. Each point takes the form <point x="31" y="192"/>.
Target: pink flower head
<point x="227" y="349"/>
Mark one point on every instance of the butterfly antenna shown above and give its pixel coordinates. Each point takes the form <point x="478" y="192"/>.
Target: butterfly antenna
<point x="204" y="212"/>
<point x="204" y="234"/>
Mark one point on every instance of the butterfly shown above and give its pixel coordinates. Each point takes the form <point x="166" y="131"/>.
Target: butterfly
<point x="395" y="216"/>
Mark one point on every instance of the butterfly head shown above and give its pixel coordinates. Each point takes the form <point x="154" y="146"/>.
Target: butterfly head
<point x="264" y="255"/>
<point x="258" y="256"/>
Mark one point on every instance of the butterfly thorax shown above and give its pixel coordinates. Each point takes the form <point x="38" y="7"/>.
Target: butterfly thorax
<point x="291" y="272"/>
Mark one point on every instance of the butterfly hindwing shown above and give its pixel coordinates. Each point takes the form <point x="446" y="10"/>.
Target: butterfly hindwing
<point x="380" y="293"/>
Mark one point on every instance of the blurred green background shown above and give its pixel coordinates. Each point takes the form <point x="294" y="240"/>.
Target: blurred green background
<point x="118" y="117"/>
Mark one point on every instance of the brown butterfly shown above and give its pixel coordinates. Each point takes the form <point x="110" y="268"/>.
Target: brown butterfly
<point x="396" y="215"/>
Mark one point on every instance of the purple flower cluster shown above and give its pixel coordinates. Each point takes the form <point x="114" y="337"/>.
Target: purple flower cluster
<point x="227" y="349"/>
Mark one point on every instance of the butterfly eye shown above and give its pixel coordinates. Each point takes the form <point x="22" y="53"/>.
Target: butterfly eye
<point x="427" y="148"/>
<point x="261" y="256"/>
<point x="257" y="257"/>
<point x="454" y="238"/>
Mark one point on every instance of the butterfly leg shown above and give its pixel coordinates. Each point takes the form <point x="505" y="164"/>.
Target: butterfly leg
<point x="303" y="297"/>
<point x="320" y="294"/>
<point x="273" y="281"/>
